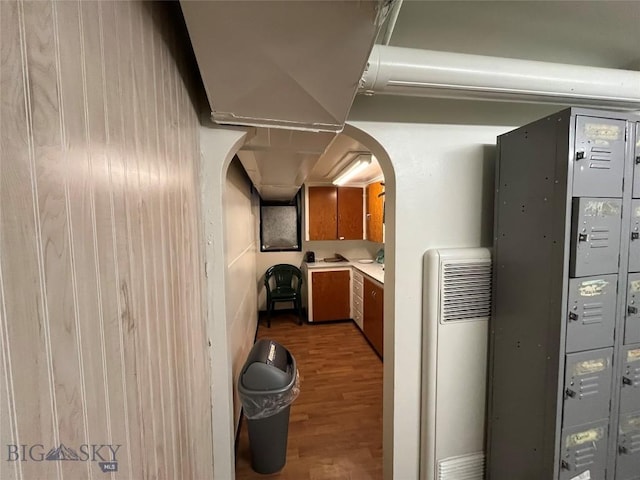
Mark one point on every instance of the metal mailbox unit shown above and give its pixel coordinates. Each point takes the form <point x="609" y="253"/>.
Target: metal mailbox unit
<point x="564" y="358"/>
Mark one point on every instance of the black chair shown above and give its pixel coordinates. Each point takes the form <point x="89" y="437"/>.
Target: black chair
<point x="284" y="284"/>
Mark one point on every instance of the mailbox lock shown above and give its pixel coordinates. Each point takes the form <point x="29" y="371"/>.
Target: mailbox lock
<point x="579" y="155"/>
<point x="573" y="316"/>
<point x="570" y="393"/>
<point x="635" y="235"/>
<point x="622" y="449"/>
<point x="632" y="310"/>
<point x="627" y="381"/>
<point x="565" y="465"/>
<point x="582" y="237"/>
<point x="637" y="159"/>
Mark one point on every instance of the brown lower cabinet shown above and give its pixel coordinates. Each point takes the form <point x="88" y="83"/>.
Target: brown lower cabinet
<point x="373" y="315"/>
<point x="330" y="295"/>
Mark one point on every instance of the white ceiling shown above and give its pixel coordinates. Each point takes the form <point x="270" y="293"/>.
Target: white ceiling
<point x="278" y="161"/>
<point x="282" y="65"/>
<point x="340" y="153"/>
<point x="594" y="33"/>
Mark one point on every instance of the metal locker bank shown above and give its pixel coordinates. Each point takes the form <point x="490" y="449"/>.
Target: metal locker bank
<point x="564" y="354"/>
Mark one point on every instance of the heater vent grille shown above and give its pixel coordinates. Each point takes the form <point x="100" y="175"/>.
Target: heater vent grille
<point x="465" y="292"/>
<point x="466" y="467"/>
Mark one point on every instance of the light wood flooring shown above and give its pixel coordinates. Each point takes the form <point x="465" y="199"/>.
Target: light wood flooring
<point x="335" y="429"/>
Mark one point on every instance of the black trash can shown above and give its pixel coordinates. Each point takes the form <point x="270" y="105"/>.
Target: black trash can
<point x="268" y="384"/>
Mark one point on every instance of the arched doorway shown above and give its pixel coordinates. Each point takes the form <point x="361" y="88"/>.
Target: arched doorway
<point x="218" y="147"/>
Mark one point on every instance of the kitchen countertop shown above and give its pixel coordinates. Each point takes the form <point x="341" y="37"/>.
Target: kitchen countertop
<point x="374" y="270"/>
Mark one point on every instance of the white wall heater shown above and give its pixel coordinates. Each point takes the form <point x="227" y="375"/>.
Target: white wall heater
<point x="456" y="310"/>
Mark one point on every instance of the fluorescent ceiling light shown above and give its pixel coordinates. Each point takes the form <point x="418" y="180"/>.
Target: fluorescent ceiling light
<point x="361" y="162"/>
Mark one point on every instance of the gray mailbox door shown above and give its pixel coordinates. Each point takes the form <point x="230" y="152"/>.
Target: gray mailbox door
<point x="632" y="318"/>
<point x="628" y="462"/>
<point x="595" y="236"/>
<point x="634" y="244"/>
<point x="591" y="312"/>
<point x="636" y="164"/>
<point x="587" y="386"/>
<point x="584" y="451"/>
<point x="599" y="157"/>
<point x="630" y="389"/>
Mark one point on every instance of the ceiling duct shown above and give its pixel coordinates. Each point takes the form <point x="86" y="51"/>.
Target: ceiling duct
<point x="426" y="73"/>
<point x="278" y="161"/>
<point x="283" y="64"/>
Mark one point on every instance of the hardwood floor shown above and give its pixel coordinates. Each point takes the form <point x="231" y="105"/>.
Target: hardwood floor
<point x="335" y="429"/>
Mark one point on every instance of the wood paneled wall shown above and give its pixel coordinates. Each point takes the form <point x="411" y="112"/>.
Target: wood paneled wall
<point x="102" y="338"/>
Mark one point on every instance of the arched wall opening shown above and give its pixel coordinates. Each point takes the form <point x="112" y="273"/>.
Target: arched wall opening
<point x="389" y="290"/>
<point x="439" y="158"/>
<point x="218" y="147"/>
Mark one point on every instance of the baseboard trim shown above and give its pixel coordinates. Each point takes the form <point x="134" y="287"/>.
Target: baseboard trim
<point x="368" y="341"/>
<point x="324" y="322"/>
<point x="237" y="440"/>
<point x="262" y="314"/>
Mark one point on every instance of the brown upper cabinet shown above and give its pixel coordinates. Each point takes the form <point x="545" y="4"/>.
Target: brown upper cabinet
<point x="323" y="208"/>
<point x="375" y="211"/>
<point x="335" y="213"/>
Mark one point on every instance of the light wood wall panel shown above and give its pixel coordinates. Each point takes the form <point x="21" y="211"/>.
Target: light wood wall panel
<point x="102" y="337"/>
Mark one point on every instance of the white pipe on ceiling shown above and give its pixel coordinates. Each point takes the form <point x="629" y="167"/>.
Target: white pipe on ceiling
<point x="427" y="73"/>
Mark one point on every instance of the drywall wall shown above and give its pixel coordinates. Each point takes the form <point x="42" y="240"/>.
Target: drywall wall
<point x="442" y="197"/>
<point x="437" y="157"/>
<point x="102" y="334"/>
<point x="240" y="259"/>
